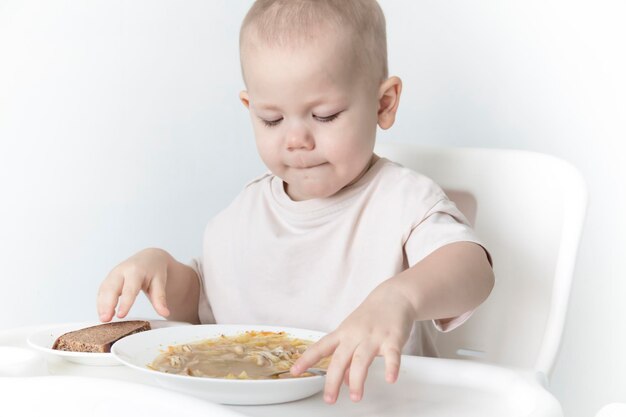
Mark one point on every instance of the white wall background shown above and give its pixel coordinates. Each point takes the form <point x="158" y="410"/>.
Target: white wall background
<point x="120" y="128"/>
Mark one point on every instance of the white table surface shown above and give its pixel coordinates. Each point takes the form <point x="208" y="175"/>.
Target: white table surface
<point x="426" y="387"/>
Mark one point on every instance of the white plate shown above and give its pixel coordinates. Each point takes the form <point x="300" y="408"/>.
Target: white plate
<point x="140" y="349"/>
<point x="43" y="340"/>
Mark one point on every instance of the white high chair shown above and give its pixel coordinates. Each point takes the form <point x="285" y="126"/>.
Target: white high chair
<point x="529" y="209"/>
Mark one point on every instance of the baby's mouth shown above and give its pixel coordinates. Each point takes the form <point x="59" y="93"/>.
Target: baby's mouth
<point x="309" y="166"/>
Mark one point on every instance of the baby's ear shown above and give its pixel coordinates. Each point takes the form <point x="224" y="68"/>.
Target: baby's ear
<point x="245" y="99"/>
<point x="388" y="101"/>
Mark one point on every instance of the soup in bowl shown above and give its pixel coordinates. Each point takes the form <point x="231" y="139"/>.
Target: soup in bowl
<point x="249" y="355"/>
<point x="229" y="364"/>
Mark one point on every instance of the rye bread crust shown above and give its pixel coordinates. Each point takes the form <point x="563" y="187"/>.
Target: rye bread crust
<point x="99" y="338"/>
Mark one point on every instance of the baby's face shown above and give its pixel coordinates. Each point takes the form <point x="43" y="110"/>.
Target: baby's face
<point x="314" y="119"/>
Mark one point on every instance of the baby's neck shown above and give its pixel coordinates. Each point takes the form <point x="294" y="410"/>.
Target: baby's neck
<point x="369" y="165"/>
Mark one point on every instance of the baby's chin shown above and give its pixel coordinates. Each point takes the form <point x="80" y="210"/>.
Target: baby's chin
<point x="311" y="190"/>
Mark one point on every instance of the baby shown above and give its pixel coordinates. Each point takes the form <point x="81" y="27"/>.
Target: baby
<point x="333" y="237"/>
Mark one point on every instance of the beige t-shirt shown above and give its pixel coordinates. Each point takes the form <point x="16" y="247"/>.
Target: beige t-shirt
<point x="270" y="260"/>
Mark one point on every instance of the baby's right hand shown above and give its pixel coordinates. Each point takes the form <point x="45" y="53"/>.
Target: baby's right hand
<point x="147" y="271"/>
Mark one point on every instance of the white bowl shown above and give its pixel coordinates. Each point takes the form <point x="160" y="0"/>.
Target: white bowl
<point x="43" y="340"/>
<point x="138" y="350"/>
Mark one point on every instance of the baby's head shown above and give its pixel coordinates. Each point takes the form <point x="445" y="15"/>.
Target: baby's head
<point x="316" y="78"/>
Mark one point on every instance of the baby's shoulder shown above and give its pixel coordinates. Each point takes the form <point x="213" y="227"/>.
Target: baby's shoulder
<point x="397" y="179"/>
<point x="243" y="202"/>
<point x="258" y="181"/>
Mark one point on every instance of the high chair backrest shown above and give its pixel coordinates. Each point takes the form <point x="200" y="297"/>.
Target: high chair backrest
<point x="528" y="209"/>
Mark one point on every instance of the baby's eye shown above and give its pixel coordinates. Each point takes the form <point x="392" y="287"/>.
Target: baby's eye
<point x="271" y="123"/>
<point x="326" y="119"/>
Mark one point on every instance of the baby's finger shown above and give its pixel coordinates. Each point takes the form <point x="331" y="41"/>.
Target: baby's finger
<point x="392" y="357"/>
<point x="108" y="294"/>
<point x="156" y="293"/>
<point x="314" y="353"/>
<point x="129" y="294"/>
<point x="336" y="372"/>
<point x="361" y="361"/>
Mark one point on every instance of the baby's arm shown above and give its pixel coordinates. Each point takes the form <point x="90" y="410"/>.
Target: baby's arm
<point x="450" y="281"/>
<point x="171" y="287"/>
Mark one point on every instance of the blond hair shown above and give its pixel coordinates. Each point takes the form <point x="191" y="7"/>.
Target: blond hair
<point x="293" y="22"/>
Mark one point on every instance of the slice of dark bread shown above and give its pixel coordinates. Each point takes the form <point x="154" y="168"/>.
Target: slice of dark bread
<point x="99" y="338"/>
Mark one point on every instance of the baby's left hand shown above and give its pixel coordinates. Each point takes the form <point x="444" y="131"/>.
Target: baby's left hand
<point x="380" y="326"/>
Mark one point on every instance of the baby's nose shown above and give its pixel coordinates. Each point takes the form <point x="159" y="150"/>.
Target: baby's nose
<point x="299" y="138"/>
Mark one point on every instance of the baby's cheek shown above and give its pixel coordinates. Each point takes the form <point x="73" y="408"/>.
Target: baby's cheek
<point x="268" y="154"/>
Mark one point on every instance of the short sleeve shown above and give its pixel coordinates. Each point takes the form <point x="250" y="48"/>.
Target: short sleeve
<point x="443" y="224"/>
<point x="205" y="314"/>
